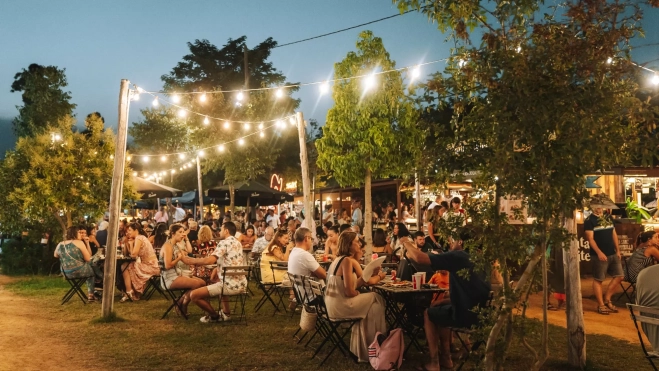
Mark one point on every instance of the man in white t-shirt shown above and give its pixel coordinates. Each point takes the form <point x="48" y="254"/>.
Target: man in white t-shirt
<point x="179" y="214"/>
<point x="300" y="260"/>
<point x="328" y="216"/>
<point x="272" y="220"/>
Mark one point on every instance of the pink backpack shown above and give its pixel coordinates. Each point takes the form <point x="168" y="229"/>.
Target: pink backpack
<point x="387" y="353"/>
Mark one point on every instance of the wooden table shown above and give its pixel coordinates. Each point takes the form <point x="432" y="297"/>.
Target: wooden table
<point x="400" y="303"/>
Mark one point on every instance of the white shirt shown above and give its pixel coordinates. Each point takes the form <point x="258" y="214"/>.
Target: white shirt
<point x="301" y="262"/>
<point x="328" y="217"/>
<point x="357" y="217"/>
<point x="272" y="221"/>
<point x="179" y="214"/>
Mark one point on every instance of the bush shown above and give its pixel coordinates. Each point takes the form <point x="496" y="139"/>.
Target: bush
<point x="25" y="257"/>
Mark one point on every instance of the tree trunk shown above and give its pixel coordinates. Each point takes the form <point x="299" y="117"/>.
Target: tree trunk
<point x="368" y="216"/>
<point x="576" y="333"/>
<point x="232" y="197"/>
<point x="544" y="352"/>
<point x="61" y="223"/>
<point x="505" y="312"/>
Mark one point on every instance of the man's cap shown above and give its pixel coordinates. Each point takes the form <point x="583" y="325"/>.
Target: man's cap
<point x="603" y="201"/>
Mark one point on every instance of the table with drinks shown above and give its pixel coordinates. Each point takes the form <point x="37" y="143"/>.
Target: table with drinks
<point x="405" y="303"/>
<point x="120" y="259"/>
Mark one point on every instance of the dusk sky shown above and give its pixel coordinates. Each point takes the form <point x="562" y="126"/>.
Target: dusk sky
<point x="100" y="43"/>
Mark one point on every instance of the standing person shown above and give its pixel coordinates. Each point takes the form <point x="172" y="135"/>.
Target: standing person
<point x="74" y="259"/>
<point x="390" y="215"/>
<point x="137" y="273"/>
<point x="179" y="213"/>
<point x="344" y="300"/>
<point x="229" y="253"/>
<point x="328" y="216"/>
<point x="161" y="216"/>
<point x="102" y="233"/>
<point x="357" y="219"/>
<point x="282" y="217"/>
<point x="603" y="241"/>
<point x="272" y="220"/>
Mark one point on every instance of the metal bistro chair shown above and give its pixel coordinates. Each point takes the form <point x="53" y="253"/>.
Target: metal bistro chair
<point x="301" y="298"/>
<point x="239" y="298"/>
<point x="174" y="295"/>
<point x="649" y="316"/>
<point x="76" y="284"/>
<point x="283" y="288"/>
<point x="630" y="290"/>
<point x="265" y="287"/>
<point x="153" y="284"/>
<point x="330" y="328"/>
<point x="463" y="336"/>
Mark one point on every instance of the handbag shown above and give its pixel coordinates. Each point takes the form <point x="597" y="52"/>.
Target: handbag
<point x="308" y="319"/>
<point x="386" y="353"/>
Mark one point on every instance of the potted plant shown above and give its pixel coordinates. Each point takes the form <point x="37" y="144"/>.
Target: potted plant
<point x="635" y="211"/>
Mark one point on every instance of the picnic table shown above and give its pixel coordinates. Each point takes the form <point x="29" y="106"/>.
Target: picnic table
<point x="404" y="308"/>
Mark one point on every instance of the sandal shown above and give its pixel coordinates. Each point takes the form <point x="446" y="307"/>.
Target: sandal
<point x="603" y="309"/>
<point x="551" y="307"/>
<point x="91" y="297"/>
<point x="612" y="308"/>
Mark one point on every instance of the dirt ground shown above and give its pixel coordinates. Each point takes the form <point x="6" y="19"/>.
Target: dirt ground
<point x="31" y="340"/>
<point x="618" y="325"/>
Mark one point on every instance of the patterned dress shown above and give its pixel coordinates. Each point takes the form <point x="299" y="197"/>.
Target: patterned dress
<point x="229" y="253"/>
<point x="203" y="249"/>
<point x="147" y="266"/>
<point x="73" y="263"/>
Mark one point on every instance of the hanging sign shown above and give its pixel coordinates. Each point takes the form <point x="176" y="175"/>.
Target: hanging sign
<point x="276" y="182"/>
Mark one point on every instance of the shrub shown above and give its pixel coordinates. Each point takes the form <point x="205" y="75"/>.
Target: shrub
<point x="26" y="257"/>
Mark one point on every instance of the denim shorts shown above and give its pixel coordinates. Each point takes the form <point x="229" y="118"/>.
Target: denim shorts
<point x="611" y="266"/>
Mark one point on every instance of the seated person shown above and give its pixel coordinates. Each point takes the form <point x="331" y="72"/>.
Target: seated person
<point x="647" y="295"/>
<point x="332" y="242"/>
<point x="205" y="246"/>
<point x="465" y="294"/>
<point x="262" y="242"/>
<point x="229" y="253"/>
<point x="380" y="245"/>
<point x="74" y="258"/>
<point x="300" y="260"/>
<point x="136" y="274"/>
<point x="645" y="254"/>
<point x="441" y="279"/>
<point x="343" y="300"/>
<point x="274" y="252"/>
<point x="247" y="240"/>
<point x="344" y="227"/>
<point x="177" y="274"/>
<point x="421" y="243"/>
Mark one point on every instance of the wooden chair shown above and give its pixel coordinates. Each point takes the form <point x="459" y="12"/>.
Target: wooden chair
<point x="647" y="316"/>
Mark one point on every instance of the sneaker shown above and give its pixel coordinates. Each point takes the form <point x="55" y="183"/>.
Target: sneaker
<point x="225" y="317"/>
<point x="209" y="319"/>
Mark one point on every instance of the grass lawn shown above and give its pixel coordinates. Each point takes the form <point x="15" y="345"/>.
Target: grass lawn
<point x="143" y="341"/>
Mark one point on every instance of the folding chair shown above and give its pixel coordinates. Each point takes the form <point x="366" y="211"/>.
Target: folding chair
<point x="649" y="316"/>
<point x="330" y="328"/>
<point x="282" y="289"/>
<point x="174" y="295"/>
<point x="631" y="285"/>
<point x="463" y="336"/>
<point x="300" y="297"/>
<point x="239" y="298"/>
<point x="76" y="284"/>
<point x="266" y="287"/>
<point x="153" y="285"/>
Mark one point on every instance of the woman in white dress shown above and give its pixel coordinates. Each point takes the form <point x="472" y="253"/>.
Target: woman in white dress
<point x="343" y="300"/>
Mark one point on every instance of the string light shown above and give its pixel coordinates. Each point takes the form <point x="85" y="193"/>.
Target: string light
<point x="655" y="80"/>
<point x="128" y="158"/>
<point x="227" y="124"/>
<point x="292" y="121"/>
<point x="176" y="98"/>
<point x="240" y="96"/>
<point x="202" y="98"/>
<point x="172" y="171"/>
<point x="136" y="96"/>
<point x="246" y="126"/>
<point x="261" y="126"/>
<point x="416" y="72"/>
<point x="369" y="82"/>
<point x="280" y="124"/>
<point x="140" y="90"/>
<point x="261" y="134"/>
<point x="182" y="113"/>
<point x="324" y="88"/>
<point x="220" y="148"/>
<point x="145" y="158"/>
<point x="206" y="120"/>
<point x="134" y="173"/>
<point x="181" y="156"/>
<point x="609" y="60"/>
<point x="155" y="102"/>
<point x="201" y="153"/>
<point x="279" y="93"/>
<point x="163" y="158"/>
<point x="241" y="141"/>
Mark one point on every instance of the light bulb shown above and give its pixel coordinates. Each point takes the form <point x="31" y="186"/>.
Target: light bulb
<point x="324" y="88"/>
<point x="134" y="173"/>
<point x="145" y="174"/>
<point x="240" y="96"/>
<point x="202" y="98"/>
<point x="163" y="158"/>
<point x="518" y="49"/>
<point x="180" y="169"/>
<point x="220" y="148"/>
<point x="261" y="134"/>
<point x="181" y="156"/>
<point x="200" y="153"/>
<point x="155" y="102"/>
<point x="181" y="113"/>
<point x="145" y="159"/>
<point x="369" y="82"/>
<point x="136" y="96"/>
<point x="609" y="60"/>
<point x="227" y="124"/>
<point x="247" y="126"/>
<point x="280" y="124"/>
<point x="206" y="120"/>
<point x="176" y="98"/>
<point x="292" y="121"/>
<point x="172" y="171"/>
<point x="655" y="80"/>
<point x="279" y="93"/>
<point x="241" y="141"/>
<point x="260" y="126"/>
<point x="140" y="90"/>
<point x="416" y="72"/>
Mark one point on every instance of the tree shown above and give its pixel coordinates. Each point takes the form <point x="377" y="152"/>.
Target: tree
<point x="60" y="177"/>
<point x="44" y="101"/>
<point x="368" y="134"/>
<point x="211" y="69"/>
<point x="541" y="102"/>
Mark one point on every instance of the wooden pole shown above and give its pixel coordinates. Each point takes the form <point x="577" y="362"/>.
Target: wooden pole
<point x="576" y="330"/>
<point x="306" y="182"/>
<point x="201" y="192"/>
<point x="116" y="192"/>
<point x="398" y="208"/>
<point x="417" y="203"/>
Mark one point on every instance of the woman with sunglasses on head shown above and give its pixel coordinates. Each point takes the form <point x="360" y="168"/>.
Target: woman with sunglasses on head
<point x="177" y="274"/>
<point x="344" y="300"/>
<point x="274" y="252"/>
<point x="136" y="274"/>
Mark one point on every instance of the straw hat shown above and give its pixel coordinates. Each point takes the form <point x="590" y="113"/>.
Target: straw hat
<point x="603" y="201"/>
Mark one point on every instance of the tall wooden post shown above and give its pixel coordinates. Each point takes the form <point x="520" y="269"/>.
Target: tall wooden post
<point x="576" y="331"/>
<point x="398" y="201"/>
<point x="110" y="268"/>
<point x="417" y="203"/>
<point x="306" y="182"/>
<point x="201" y="191"/>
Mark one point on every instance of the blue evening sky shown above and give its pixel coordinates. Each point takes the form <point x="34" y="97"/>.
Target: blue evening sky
<point x="101" y="42"/>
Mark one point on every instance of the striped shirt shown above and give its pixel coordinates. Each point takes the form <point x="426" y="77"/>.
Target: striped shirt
<point x="636" y="263"/>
